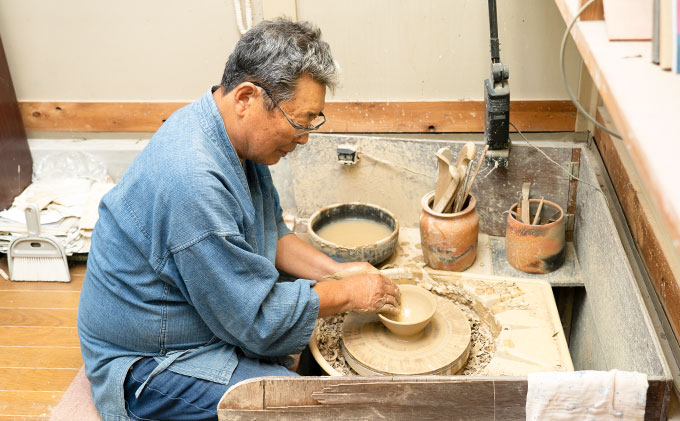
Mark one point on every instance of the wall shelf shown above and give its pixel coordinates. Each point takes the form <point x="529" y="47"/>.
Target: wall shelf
<point x="644" y="104"/>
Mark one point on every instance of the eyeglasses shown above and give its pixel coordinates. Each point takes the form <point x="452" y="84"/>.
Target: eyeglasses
<point x="301" y="130"/>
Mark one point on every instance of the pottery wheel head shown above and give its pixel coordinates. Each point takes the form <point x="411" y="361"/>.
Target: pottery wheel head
<point x="441" y="348"/>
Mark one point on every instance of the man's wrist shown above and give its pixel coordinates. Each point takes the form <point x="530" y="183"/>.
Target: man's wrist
<point x="334" y="297"/>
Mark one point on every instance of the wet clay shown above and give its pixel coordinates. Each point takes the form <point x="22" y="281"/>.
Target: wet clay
<point x="405" y="315"/>
<point x="415" y="306"/>
<point x="329" y="331"/>
<point x="352" y="232"/>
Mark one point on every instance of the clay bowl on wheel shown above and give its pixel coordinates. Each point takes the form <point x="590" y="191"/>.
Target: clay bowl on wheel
<point x="418" y="306"/>
<point x="374" y="251"/>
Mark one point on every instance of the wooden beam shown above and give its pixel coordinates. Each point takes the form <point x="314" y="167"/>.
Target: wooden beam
<point x="406" y="397"/>
<point x="649" y="235"/>
<point x="594" y="12"/>
<point x="96" y="116"/>
<point x="16" y="165"/>
<point x="343" y="117"/>
<point x="588" y="97"/>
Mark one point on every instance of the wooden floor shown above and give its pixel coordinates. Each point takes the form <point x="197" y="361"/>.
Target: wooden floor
<point x="39" y="347"/>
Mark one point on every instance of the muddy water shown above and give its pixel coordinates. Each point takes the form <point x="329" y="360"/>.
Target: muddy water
<point x="352" y="232"/>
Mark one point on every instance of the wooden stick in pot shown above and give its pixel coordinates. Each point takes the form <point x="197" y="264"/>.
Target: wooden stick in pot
<point x="444" y="156"/>
<point x="474" y="175"/>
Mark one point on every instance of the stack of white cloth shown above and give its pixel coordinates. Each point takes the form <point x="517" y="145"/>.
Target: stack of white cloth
<point x="68" y="211"/>
<point x="587" y="395"/>
<point x="67" y="188"/>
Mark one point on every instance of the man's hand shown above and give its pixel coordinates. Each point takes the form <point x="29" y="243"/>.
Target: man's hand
<point x="345" y="269"/>
<point x="372" y="293"/>
<point x="362" y="292"/>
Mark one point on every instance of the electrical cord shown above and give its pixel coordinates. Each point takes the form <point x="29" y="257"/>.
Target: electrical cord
<point x="571" y="176"/>
<point x="564" y="75"/>
<point x="391" y="164"/>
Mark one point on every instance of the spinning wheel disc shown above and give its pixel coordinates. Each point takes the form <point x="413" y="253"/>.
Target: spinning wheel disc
<point x="441" y="348"/>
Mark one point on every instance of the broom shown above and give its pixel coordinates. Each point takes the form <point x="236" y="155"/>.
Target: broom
<point x="35" y="257"/>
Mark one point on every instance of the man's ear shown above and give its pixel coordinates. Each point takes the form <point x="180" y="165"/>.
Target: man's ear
<point x="244" y="97"/>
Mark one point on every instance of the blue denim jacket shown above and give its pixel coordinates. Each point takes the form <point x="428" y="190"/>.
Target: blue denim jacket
<point x="181" y="266"/>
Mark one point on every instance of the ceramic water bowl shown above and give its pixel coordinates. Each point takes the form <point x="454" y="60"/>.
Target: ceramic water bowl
<point x="418" y="306"/>
<point x="374" y="252"/>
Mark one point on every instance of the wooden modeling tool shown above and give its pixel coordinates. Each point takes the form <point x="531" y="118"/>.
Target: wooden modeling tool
<point x="537" y="217"/>
<point x="474" y="175"/>
<point x="465" y="157"/>
<point x="447" y="197"/>
<point x="444" y="156"/>
<point x="526" y="187"/>
<point x="464" y="173"/>
<point x="467" y="152"/>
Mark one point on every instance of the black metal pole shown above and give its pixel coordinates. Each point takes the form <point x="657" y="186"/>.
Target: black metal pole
<point x="493" y="27"/>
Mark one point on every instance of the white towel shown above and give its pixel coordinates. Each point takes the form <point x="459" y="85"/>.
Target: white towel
<point x="587" y="395"/>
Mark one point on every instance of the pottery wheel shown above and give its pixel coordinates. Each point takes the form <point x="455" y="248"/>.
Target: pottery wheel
<point x="441" y="348"/>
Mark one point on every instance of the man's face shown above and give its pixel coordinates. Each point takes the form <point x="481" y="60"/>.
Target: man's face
<point x="273" y="137"/>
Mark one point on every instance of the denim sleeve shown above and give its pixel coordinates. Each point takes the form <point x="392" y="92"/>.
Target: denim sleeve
<point x="280" y="225"/>
<point x="282" y="228"/>
<point x="236" y="293"/>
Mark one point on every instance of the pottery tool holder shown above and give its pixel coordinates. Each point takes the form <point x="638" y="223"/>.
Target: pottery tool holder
<point x="524" y="213"/>
<point x="454" y="184"/>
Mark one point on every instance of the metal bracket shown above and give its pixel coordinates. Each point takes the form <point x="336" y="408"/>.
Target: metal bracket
<point x="573" y="168"/>
<point x="590" y="140"/>
<point x="570" y="219"/>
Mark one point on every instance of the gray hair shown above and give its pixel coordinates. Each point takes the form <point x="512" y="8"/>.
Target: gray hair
<point x="276" y="53"/>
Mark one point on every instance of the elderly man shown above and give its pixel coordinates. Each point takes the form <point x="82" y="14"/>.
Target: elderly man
<point x="182" y="297"/>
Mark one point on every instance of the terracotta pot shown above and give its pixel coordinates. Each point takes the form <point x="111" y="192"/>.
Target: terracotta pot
<point x="449" y="240"/>
<point x="535" y="248"/>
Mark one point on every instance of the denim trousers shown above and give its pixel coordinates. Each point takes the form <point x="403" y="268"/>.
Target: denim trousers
<point x="172" y="396"/>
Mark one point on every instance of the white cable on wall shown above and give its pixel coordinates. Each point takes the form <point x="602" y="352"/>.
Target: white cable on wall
<point x="249" y="14"/>
<point x="239" y="16"/>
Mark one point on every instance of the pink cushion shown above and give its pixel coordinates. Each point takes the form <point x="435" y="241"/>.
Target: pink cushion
<point x="76" y="404"/>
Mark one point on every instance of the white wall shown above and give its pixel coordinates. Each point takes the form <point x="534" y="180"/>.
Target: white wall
<point x="174" y="50"/>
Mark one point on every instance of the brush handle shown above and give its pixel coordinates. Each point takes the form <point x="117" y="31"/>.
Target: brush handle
<point x="32" y="219"/>
<point x="537" y="217"/>
<point x="479" y="164"/>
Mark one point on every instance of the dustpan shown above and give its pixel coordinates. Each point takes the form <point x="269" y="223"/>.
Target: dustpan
<point x="36" y="257"/>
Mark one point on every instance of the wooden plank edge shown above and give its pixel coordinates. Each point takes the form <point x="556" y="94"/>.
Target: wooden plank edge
<point x="661" y="258"/>
<point x="343" y="117"/>
<point x="594" y="12"/>
<point x="247" y="399"/>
